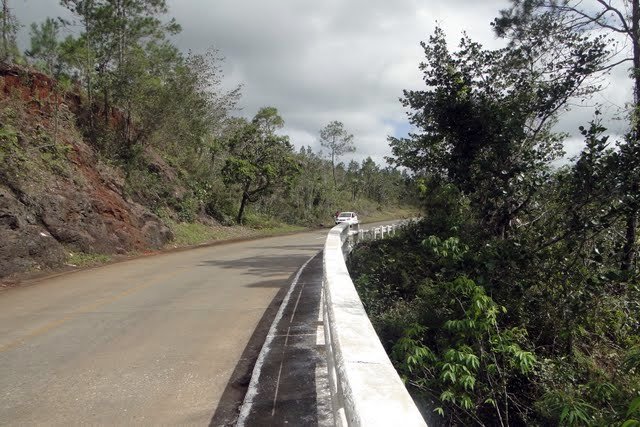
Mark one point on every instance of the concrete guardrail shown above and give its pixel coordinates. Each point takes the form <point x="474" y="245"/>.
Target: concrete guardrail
<point x="365" y="387"/>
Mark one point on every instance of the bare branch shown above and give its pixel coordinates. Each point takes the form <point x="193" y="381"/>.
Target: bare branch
<point x="583" y="19"/>
<point x="619" y="14"/>
<point x="610" y="66"/>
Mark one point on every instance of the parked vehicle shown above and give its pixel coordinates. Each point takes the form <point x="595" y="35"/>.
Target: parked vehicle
<point x="349" y="217"/>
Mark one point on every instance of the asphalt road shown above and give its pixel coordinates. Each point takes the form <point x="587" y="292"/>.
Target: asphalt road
<point x="153" y="340"/>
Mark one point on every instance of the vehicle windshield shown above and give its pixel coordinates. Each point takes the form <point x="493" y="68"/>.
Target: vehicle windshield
<point x="344" y="215"/>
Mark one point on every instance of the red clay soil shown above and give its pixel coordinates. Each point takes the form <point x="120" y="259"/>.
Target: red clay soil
<point x="57" y="197"/>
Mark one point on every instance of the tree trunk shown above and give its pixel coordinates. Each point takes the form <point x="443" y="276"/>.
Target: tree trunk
<point x="243" y="203"/>
<point x="333" y="168"/>
<point x="629" y="249"/>
<point x="635" y="39"/>
<point x="5" y="30"/>
<point x="105" y="94"/>
<point x="89" y="71"/>
<point x="121" y="29"/>
<point x="56" y="107"/>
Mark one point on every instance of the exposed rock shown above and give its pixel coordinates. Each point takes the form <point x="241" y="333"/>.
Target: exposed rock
<point x="24" y="244"/>
<point x="67" y="200"/>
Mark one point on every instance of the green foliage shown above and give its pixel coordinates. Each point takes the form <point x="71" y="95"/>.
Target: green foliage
<point x="468" y="355"/>
<point x="8" y="29"/>
<point x="45" y="46"/>
<point x="188" y="209"/>
<point x="338" y="141"/>
<point x="187" y="234"/>
<point x="8" y="142"/>
<point x="260" y="221"/>
<point x="633" y="414"/>
<point x="259" y="160"/>
<point x="83" y="259"/>
<point x="514" y="301"/>
<point x="484" y="120"/>
<point x="449" y="248"/>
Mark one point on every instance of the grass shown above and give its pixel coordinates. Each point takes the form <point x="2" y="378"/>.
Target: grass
<point x="193" y="233"/>
<point x="83" y="259"/>
<point x="389" y="214"/>
<point x="284" y="228"/>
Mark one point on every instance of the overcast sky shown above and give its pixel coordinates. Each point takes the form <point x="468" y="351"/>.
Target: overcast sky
<point x="345" y="60"/>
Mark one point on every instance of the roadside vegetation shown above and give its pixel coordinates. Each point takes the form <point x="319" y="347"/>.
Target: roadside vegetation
<point x="516" y="300"/>
<point x="81" y="259"/>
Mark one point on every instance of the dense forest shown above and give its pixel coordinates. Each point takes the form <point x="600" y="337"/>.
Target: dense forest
<point x="162" y="119"/>
<point x="516" y="299"/>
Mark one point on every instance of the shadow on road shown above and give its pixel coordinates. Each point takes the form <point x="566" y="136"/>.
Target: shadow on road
<point x="226" y="413"/>
<point x="314" y="246"/>
<point x="278" y="283"/>
<point x="268" y="265"/>
<point x="292" y="387"/>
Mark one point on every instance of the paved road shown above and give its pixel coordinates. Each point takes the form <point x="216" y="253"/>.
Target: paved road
<point x="148" y="341"/>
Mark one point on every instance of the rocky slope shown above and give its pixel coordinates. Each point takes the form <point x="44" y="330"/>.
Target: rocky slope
<point x="56" y="197"/>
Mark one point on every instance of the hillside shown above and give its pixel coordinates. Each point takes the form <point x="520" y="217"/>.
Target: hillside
<point x="56" y="196"/>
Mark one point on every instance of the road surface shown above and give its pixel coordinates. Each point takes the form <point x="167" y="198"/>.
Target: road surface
<point x="153" y="340"/>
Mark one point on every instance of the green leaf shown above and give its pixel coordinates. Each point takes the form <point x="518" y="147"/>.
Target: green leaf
<point x="447" y="396"/>
<point x="634" y="406"/>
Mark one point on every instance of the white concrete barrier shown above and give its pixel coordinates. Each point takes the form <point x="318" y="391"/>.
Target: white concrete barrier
<point x="365" y="388"/>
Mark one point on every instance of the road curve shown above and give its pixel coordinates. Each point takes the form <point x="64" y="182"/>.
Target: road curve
<point x="147" y="341"/>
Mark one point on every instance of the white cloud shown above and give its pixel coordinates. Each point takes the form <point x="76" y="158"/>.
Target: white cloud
<point x="336" y="60"/>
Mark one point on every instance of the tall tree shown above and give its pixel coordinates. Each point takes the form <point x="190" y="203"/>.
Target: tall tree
<point x="116" y="36"/>
<point x="79" y="52"/>
<point x="338" y="140"/>
<point x="370" y="177"/>
<point x="485" y="119"/>
<point x="353" y="178"/>
<point x="45" y="46"/>
<point x="593" y="18"/>
<point x="9" y="28"/>
<point x="259" y="159"/>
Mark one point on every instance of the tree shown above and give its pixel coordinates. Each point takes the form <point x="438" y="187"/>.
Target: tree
<point x="485" y="119"/>
<point x="579" y="16"/>
<point x="116" y="38"/>
<point x="133" y="30"/>
<point x="353" y="177"/>
<point x="259" y="159"/>
<point x="45" y="46"/>
<point x="186" y="104"/>
<point x="370" y="173"/>
<point x="336" y="138"/>
<point x="593" y="17"/>
<point x="9" y="27"/>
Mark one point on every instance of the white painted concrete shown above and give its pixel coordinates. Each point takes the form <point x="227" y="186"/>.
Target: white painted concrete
<point x="366" y="389"/>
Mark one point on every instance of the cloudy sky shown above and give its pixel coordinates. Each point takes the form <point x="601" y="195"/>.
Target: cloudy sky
<point x="345" y="60"/>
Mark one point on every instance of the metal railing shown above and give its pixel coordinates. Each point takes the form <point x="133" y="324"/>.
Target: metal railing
<point x="365" y="388"/>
